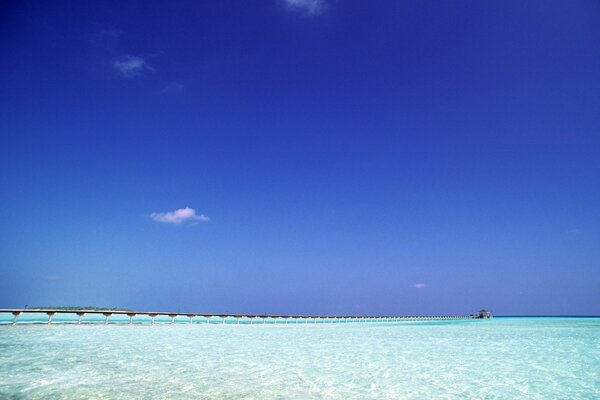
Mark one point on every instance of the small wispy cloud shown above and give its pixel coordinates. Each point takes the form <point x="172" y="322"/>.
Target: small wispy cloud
<point x="306" y="7"/>
<point x="179" y="216"/>
<point x="174" y="87"/>
<point x="574" y="231"/>
<point x="110" y="32"/>
<point x="419" y="285"/>
<point x="130" y="66"/>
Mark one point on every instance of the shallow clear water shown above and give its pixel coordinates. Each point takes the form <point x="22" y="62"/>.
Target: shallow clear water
<point x="503" y="358"/>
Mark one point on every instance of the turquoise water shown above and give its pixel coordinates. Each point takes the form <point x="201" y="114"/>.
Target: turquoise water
<point x="503" y="358"/>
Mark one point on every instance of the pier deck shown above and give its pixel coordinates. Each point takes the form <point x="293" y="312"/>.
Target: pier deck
<point x="274" y="318"/>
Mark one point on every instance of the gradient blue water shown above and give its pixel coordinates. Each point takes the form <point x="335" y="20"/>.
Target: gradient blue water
<point x="503" y="358"/>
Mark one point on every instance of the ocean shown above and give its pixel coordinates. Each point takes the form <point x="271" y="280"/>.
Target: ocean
<point x="501" y="358"/>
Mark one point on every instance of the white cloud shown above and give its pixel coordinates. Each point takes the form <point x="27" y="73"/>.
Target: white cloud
<point x="179" y="216"/>
<point x="174" y="88"/>
<point x="130" y="66"/>
<point x="111" y="33"/>
<point x="419" y="285"/>
<point x="306" y="7"/>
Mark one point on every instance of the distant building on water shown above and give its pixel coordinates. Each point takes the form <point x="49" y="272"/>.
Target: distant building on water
<point x="483" y="314"/>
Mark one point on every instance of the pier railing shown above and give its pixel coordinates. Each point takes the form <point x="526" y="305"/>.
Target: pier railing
<point x="198" y="318"/>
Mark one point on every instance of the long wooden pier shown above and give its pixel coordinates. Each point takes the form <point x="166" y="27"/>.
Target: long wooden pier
<point x="223" y="318"/>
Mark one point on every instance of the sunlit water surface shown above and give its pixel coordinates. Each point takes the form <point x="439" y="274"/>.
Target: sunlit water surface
<point x="503" y="358"/>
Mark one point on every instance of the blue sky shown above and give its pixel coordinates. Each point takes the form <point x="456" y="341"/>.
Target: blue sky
<point x="306" y="156"/>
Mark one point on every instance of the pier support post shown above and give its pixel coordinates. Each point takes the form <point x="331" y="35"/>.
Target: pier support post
<point x="15" y="316"/>
<point x="191" y="317"/>
<point x="50" y="315"/>
<point x="79" y="316"/>
<point x="106" y="317"/>
<point x="152" y="316"/>
<point x="131" y="315"/>
<point x="173" y="316"/>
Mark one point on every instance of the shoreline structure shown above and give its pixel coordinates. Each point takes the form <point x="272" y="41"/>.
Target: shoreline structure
<point x="275" y="318"/>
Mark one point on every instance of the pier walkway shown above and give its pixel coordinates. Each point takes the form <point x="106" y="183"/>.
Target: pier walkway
<point x="146" y="317"/>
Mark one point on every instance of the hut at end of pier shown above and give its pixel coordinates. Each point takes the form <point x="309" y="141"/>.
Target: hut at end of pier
<point x="483" y="314"/>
